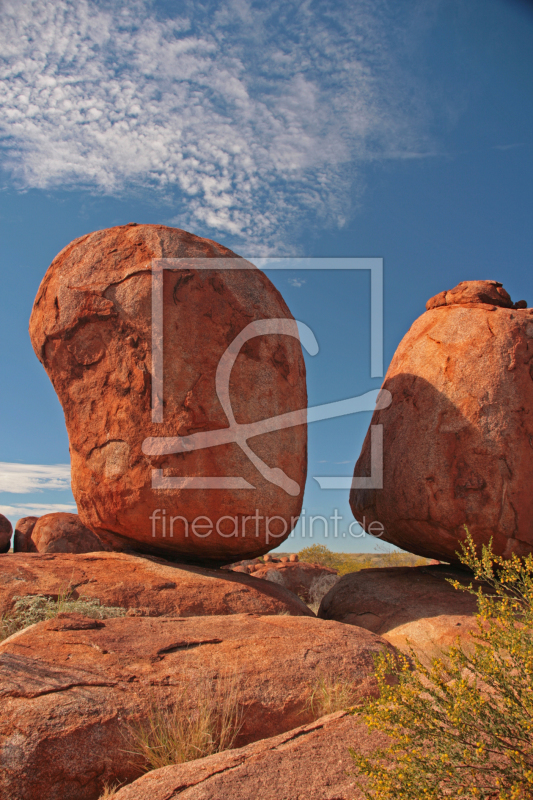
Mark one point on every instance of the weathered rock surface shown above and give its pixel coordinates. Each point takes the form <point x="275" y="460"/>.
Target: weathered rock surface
<point x="310" y="762"/>
<point x="6" y="529"/>
<point x="409" y="606"/>
<point x="151" y="585"/>
<point x="91" y="328"/>
<point x="69" y="686"/>
<point x="64" y="533"/>
<point x="22" y="541"/>
<point x="308" y="581"/>
<point x="458" y="436"/>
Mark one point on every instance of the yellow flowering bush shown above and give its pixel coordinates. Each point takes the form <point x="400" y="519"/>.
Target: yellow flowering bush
<point x="463" y="727"/>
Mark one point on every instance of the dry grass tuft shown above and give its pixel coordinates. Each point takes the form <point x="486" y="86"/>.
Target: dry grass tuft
<point x="332" y="693"/>
<point x="204" y="719"/>
<point x="109" y="791"/>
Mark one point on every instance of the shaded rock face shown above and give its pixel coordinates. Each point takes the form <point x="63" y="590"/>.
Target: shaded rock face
<point x="69" y="686"/>
<point x="458" y="436"/>
<point x="6" y="529"/>
<point x="63" y="533"/>
<point x="144" y="584"/>
<point x="312" y="761"/>
<point x="409" y="606"/>
<point x="22" y="541"/>
<point x="308" y="581"/>
<point x="91" y="327"/>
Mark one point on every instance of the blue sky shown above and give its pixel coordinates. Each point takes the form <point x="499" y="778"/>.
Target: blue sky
<point x="318" y="129"/>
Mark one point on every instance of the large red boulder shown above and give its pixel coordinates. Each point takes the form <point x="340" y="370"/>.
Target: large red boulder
<point x="71" y="686"/>
<point x="63" y="533"/>
<point x="91" y="327"/>
<point x="144" y="584"/>
<point x="312" y="761"/>
<point x="411" y="607"/>
<point x="6" y="529"/>
<point x="458" y="435"/>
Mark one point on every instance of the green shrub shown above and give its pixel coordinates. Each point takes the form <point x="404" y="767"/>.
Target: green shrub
<point x="320" y="554"/>
<point x="463" y="727"/>
<point x="37" y="608"/>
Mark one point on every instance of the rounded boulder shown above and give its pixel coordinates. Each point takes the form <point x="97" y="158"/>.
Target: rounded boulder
<point x="6" y="529"/>
<point x="132" y="344"/>
<point x="458" y="434"/>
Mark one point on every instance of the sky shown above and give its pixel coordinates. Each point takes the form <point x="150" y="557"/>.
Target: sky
<point x="319" y="130"/>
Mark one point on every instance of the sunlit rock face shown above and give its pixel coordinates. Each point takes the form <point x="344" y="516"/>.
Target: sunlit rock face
<point x="91" y="327"/>
<point x="458" y="435"/>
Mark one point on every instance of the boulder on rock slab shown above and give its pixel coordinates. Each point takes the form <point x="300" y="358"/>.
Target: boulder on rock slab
<point x="64" y="533"/>
<point x="132" y="415"/>
<point x="145" y="584"/>
<point x="312" y="761"/>
<point x="457" y="437"/>
<point x="6" y="529"/>
<point x="71" y="687"/>
<point x="409" y="606"/>
<point x="22" y="541"/>
<point x="308" y="581"/>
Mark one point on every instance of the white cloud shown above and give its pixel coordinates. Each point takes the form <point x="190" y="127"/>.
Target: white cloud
<point x="297" y="282"/>
<point x="257" y="116"/>
<point x="19" y="510"/>
<point x="26" y="478"/>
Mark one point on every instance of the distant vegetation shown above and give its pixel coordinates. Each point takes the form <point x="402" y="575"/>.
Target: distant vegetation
<point x="353" y="562"/>
<point x="462" y="728"/>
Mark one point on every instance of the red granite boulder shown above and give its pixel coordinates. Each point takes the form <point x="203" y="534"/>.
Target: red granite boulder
<point x="143" y="584"/>
<point x="64" y="533"/>
<point x="22" y="541"/>
<point x="313" y="759"/>
<point x="6" y="529"/>
<point x="91" y="327"/>
<point x="71" y="686"/>
<point x="458" y="435"/>
<point x="411" y="607"/>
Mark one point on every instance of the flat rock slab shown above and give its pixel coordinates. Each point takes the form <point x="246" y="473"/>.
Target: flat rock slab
<point x="408" y="606"/>
<point x="152" y="586"/>
<point x="70" y="686"/>
<point x="311" y="762"/>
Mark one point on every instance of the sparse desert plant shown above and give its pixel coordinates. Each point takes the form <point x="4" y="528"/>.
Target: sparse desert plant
<point x="37" y="608"/>
<point x="463" y="727"/>
<point x="332" y="693"/>
<point x="320" y="554"/>
<point x="203" y="719"/>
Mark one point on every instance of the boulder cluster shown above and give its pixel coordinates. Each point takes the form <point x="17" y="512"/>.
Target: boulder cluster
<point x="163" y="587"/>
